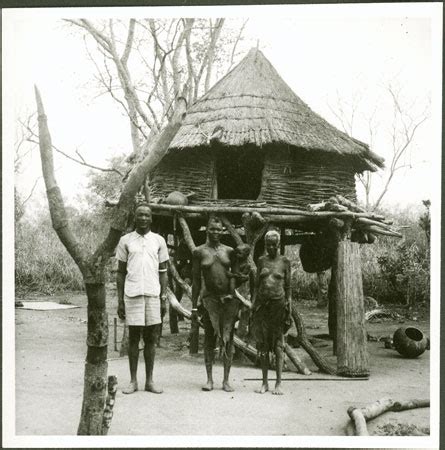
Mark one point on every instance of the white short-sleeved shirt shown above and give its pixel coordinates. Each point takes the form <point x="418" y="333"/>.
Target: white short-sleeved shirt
<point x="143" y="254"/>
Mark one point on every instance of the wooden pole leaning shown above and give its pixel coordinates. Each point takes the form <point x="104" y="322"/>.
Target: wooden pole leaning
<point x="351" y="345"/>
<point x="194" y="329"/>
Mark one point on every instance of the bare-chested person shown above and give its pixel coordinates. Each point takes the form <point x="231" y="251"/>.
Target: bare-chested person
<point x="271" y="308"/>
<point x="213" y="261"/>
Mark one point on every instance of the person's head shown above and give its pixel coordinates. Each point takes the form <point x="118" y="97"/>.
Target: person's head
<point x="242" y="251"/>
<point x="142" y="217"/>
<point x="214" y="229"/>
<point x="272" y="242"/>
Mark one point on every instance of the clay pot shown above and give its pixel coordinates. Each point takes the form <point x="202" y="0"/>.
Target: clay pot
<point x="176" y="198"/>
<point x="410" y="342"/>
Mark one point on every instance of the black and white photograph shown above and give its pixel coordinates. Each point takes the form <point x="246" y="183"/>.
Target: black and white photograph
<point x="221" y="226"/>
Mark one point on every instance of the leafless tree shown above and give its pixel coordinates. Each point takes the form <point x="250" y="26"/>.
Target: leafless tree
<point x="96" y="411"/>
<point x="400" y="134"/>
<point x="176" y="67"/>
<point x="142" y="63"/>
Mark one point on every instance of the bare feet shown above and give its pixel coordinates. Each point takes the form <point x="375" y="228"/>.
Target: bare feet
<point x="208" y="386"/>
<point x="264" y="388"/>
<point x="132" y="387"/>
<point x="277" y="390"/>
<point x="226" y="387"/>
<point x="150" y="387"/>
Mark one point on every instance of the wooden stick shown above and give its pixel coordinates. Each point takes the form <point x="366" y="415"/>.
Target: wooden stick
<point x="176" y="305"/>
<point x="373" y="410"/>
<point x="108" y="410"/>
<point x="359" y="421"/>
<point x="312" y="379"/>
<point x="187" y="234"/>
<point x="411" y="404"/>
<point x="261" y="210"/>
<point x="350" y="205"/>
<point x="247" y="348"/>
<point x="378" y="230"/>
<point x="243" y="300"/>
<point x="115" y="333"/>
<point x="175" y="274"/>
<point x="298" y="363"/>
<point x="360" y="416"/>
<point x="319" y="361"/>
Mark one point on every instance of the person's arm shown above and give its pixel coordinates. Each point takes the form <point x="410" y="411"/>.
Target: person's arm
<point x="251" y="284"/>
<point x="233" y="269"/>
<point x="120" y="284"/>
<point x="163" y="258"/>
<point x="163" y="281"/>
<point x="196" y="278"/>
<point x="287" y="283"/>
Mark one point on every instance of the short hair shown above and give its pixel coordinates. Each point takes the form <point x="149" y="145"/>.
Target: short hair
<point x="214" y="219"/>
<point x="138" y="205"/>
<point x="272" y="234"/>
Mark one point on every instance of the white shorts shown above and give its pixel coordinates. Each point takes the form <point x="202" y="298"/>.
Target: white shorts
<point x="142" y="310"/>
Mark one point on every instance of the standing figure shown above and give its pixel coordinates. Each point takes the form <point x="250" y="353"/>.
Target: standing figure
<point x="141" y="289"/>
<point x="271" y="307"/>
<point x="212" y="261"/>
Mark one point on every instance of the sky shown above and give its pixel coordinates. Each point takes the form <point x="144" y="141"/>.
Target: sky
<point x="322" y="52"/>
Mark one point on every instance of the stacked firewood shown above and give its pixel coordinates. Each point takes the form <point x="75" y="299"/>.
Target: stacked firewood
<point x="364" y="227"/>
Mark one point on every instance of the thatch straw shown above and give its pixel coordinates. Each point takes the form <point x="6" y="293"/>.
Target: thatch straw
<point x="252" y="104"/>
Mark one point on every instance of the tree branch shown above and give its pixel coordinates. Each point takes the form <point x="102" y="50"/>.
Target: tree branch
<point x="56" y="206"/>
<point x="82" y="162"/>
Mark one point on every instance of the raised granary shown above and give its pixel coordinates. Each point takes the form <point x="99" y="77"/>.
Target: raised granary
<point x="251" y="151"/>
<point x="251" y="138"/>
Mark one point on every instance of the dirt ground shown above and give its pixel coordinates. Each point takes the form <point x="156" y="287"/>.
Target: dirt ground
<point x="50" y="352"/>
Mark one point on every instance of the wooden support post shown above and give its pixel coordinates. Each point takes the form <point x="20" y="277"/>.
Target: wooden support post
<point x="282" y="239"/>
<point x="352" y="352"/>
<point x="115" y="334"/>
<point x="332" y="309"/>
<point x="172" y="315"/>
<point x="194" y="330"/>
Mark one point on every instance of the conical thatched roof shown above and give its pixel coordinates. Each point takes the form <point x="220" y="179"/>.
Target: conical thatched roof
<point x="253" y="105"/>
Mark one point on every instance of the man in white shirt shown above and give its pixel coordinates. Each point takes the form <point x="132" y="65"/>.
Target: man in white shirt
<point x="141" y="289"/>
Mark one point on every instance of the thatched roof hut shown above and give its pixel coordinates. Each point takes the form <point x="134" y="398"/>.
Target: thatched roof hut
<point x="250" y="138"/>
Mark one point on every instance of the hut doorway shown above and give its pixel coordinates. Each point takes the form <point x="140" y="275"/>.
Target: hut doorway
<point x="239" y="172"/>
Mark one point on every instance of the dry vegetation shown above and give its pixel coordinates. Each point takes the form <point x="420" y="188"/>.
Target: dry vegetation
<point x="394" y="271"/>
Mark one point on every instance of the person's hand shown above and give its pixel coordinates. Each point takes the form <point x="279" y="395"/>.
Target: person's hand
<point x="194" y="316"/>
<point x="121" y="310"/>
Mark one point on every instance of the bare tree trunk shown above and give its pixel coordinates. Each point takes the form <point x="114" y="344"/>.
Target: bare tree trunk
<point x="92" y="266"/>
<point x="95" y="377"/>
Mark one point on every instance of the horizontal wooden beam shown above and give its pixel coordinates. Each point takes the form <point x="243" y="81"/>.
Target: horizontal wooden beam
<point x="261" y="210"/>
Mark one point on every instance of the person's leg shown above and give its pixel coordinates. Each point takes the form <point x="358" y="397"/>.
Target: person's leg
<point x="209" y="350"/>
<point x="134" y="334"/>
<point x="227" y="360"/>
<point x="264" y="356"/>
<point x="151" y="336"/>
<point x="278" y="365"/>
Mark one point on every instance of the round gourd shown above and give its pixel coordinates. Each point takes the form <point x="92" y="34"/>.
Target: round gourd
<point x="176" y="198"/>
<point x="410" y="342"/>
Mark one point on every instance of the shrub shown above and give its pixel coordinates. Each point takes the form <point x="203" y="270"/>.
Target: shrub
<point x="393" y="270"/>
<point x="42" y="264"/>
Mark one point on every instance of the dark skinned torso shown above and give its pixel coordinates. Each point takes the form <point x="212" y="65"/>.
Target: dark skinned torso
<point x="272" y="274"/>
<point x="215" y="264"/>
